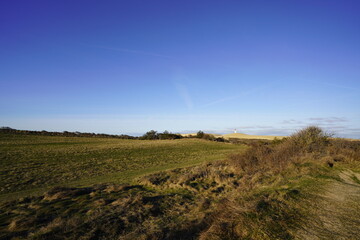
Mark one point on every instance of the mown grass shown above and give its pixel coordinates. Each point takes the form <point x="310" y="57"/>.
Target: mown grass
<point x="32" y="164"/>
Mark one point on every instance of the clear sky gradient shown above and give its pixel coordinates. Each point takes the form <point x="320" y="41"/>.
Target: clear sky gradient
<point x="263" y="67"/>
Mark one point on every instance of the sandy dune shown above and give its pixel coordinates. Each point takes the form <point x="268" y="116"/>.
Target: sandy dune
<point x="238" y="135"/>
<point x="246" y="136"/>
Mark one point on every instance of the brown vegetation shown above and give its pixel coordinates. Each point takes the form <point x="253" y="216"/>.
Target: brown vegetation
<point x="264" y="193"/>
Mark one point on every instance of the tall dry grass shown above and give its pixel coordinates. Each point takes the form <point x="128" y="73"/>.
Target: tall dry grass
<point x="275" y="215"/>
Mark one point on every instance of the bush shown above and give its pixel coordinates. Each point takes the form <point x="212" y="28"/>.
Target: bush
<point x="153" y="135"/>
<point x="219" y="139"/>
<point x="168" y="135"/>
<point x="206" y="136"/>
<point x="150" y="135"/>
<point x="310" y="139"/>
<point x="209" y="137"/>
<point x="200" y="134"/>
<point x="278" y="155"/>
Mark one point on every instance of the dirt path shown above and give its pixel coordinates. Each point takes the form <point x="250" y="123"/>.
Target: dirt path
<point x="336" y="212"/>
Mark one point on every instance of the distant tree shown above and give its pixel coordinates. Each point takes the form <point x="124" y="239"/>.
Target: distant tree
<point x="150" y="135"/>
<point x="6" y="128"/>
<point x="169" y="135"/>
<point x="64" y="133"/>
<point x="208" y="137"/>
<point x="219" y="139"/>
<point x="200" y="134"/>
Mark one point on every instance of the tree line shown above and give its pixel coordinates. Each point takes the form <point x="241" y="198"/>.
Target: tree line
<point x="150" y="135"/>
<point x="63" y="134"/>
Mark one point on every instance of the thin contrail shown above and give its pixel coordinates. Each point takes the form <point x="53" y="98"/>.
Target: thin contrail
<point x="125" y="50"/>
<point x="338" y="86"/>
<point x="184" y="95"/>
<point x="237" y="96"/>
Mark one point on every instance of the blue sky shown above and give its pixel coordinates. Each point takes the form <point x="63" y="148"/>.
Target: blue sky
<point x="263" y="67"/>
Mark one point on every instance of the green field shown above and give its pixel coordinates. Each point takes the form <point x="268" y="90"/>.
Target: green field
<point x="33" y="164"/>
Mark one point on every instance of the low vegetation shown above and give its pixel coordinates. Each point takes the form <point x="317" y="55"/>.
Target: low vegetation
<point x="154" y="135"/>
<point x="284" y="189"/>
<point x="8" y="130"/>
<point x="31" y="164"/>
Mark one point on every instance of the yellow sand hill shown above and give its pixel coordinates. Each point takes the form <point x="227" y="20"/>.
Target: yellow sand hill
<point x="246" y="136"/>
<point x="238" y="136"/>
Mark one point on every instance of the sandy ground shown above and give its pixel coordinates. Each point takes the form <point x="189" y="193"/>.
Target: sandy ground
<point x="239" y="136"/>
<point x="246" y="136"/>
<point x="336" y="214"/>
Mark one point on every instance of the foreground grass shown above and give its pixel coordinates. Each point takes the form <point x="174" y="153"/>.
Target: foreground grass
<point x="303" y="187"/>
<point x="210" y="201"/>
<point x="33" y="164"/>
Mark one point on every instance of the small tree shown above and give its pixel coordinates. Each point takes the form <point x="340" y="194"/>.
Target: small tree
<point x="150" y="135"/>
<point x="169" y="135"/>
<point x="200" y="134"/>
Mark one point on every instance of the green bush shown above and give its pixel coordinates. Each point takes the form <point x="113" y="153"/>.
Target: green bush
<point x="200" y="134"/>
<point x="310" y="139"/>
<point x="154" y="135"/>
<point x="168" y="136"/>
<point x="150" y="135"/>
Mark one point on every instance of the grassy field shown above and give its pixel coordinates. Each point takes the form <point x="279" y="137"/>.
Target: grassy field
<point x="33" y="164"/>
<point x="306" y="186"/>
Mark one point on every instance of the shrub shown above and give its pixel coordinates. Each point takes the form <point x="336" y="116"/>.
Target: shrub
<point x="200" y="134"/>
<point x="150" y="135"/>
<point x="219" y="139"/>
<point x="169" y="135"/>
<point x="208" y="137"/>
<point x="310" y="139"/>
<point x="278" y="155"/>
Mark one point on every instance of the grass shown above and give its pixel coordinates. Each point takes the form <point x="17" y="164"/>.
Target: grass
<point x="274" y="190"/>
<point x="33" y="164"/>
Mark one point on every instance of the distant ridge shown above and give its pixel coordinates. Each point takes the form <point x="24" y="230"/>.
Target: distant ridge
<point x="238" y="136"/>
<point x="246" y="136"/>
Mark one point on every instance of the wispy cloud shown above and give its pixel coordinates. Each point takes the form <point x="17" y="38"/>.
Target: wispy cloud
<point x="221" y="100"/>
<point x="316" y="120"/>
<point x="292" y="121"/>
<point x="328" y="119"/>
<point x="262" y="130"/>
<point x="251" y="127"/>
<point x="132" y="51"/>
<point x="242" y="94"/>
<point x="340" y="126"/>
<point x="339" y="86"/>
<point x="338" y="130"/>
<point x="184" y="95"/>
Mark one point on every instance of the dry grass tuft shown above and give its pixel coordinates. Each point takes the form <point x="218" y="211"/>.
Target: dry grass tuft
<point x="62" y="193"/>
